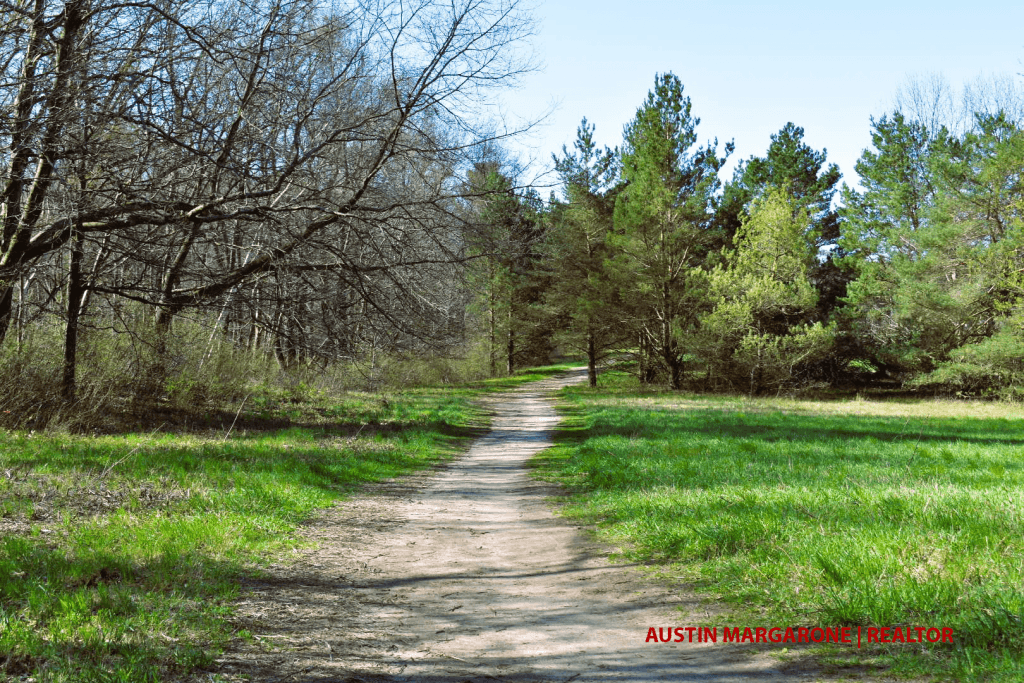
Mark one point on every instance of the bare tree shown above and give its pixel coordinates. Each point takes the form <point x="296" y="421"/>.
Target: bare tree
<point x="934" y="102"/>
<point x="192" y="151"/>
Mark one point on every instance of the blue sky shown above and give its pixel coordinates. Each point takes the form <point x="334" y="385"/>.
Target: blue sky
<point x="749" y="67"/>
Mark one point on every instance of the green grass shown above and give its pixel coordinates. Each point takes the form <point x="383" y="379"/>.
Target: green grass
<point x="818" y="513"/>
<point x="121" y="556"/>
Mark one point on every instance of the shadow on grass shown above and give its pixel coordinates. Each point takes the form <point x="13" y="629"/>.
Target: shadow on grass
<point x="102" y="578"/>
<point x="655" y="422"/>
<point x="829" y="518"/>
<point x="133" y="589"/>
<point x="100" y="614"/>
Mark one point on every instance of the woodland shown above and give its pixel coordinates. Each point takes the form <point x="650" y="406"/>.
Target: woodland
<point x="256" y="254"/>
<point x="199" y="198"/>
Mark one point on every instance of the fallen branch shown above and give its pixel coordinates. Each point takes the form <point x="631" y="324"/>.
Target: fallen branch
<point x="236" y="417"/>
<point x="108" y="468"/>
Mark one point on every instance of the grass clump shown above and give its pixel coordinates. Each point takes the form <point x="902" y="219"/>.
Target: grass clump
<point x="818" y="513"/>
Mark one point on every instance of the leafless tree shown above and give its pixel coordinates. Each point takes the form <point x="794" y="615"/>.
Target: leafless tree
<point x="273" y="160"/>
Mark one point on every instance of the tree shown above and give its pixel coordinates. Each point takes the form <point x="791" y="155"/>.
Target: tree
<point x="879" y="224"/>
<point x="505" y="242"/>
<point x="790" y="163"/>
<point x="661" y="220"/>
<point x="897" y="189"/>
<point x="935" y="234"/>
<point x="761" y="332"/>
<point x="581" y="291"/>
<point x="932" y="101"/>
<point x="793" y="164"/>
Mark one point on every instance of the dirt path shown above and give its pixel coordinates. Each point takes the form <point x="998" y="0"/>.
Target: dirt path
<point x="466" y="575"/>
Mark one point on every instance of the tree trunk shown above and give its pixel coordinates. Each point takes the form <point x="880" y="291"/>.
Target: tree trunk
<point x="677" y="373"/>
<point x="671" y="357"/>
<point x="75" y="291"/>
<point x="491" y="342"/>
<point x="668" y="343"/>
<point x="641" y="372"/>
<point x="510" y="348"/>
<point x="171" y="307"/>
<point x="591" y="358"/>
<point x="492" y="336"/>
<point x="6" y="308"/>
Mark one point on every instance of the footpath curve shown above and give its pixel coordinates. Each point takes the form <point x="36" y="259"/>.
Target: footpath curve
<point x="466" y="575"/>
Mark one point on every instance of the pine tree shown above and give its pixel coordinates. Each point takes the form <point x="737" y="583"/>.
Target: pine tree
<point x="506" y="242"/>
<point x="937" y="241"/>
<point x="661" y="223"/>
<point x="581" y="292"/>
<point x="811" y="183"/>
<point x="761" y="333"/>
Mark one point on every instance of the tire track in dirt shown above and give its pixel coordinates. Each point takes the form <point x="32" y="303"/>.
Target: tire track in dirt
<point x="466" y="575"/>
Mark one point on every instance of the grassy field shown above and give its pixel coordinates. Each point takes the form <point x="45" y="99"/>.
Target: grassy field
<point x="120" y="556"/>
<point x="817" y="513"/>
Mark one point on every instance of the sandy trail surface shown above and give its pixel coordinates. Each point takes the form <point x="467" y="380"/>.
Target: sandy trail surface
<point x="465" y="574"/>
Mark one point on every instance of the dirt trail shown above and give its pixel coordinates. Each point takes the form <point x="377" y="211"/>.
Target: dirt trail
<point x="466" y="575"/>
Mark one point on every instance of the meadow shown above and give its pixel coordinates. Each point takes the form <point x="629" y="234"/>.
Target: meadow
<point x="121" y="555"/>
<point x="816" y="513"/>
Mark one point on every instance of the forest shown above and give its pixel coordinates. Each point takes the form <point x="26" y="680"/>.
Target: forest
<point x="203" y="197"/>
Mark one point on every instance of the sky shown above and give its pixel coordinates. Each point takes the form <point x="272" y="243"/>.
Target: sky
<point x="751" y="67"/>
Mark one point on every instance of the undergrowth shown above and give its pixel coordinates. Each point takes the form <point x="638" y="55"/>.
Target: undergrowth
<point x="201" y="379"/>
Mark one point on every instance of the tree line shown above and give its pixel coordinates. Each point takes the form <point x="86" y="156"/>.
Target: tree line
<point x="766" y="281"/>
<point x="309" y="183"/>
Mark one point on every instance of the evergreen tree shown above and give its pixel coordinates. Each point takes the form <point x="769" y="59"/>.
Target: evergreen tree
<point x="790" y="163"/>
<point x="936" y="238"/>
<point x="880" y="224"/>
<point x="811" y="183"/>
<point x="581" y="292"/>
<point x="506" y="247"/>
<point x="661" y="223"/>
<point x="897" y="189"/>
<point x="761" y="333"/>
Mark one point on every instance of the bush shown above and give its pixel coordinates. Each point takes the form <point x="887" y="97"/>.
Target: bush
<point x="374" y="370"/>
<point x="120" y="373"/>
<point x="991" y="368"/>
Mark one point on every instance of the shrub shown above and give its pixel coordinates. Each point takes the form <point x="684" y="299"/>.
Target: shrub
<point x="992" y="368"/>
<point x="118" y="371"/>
